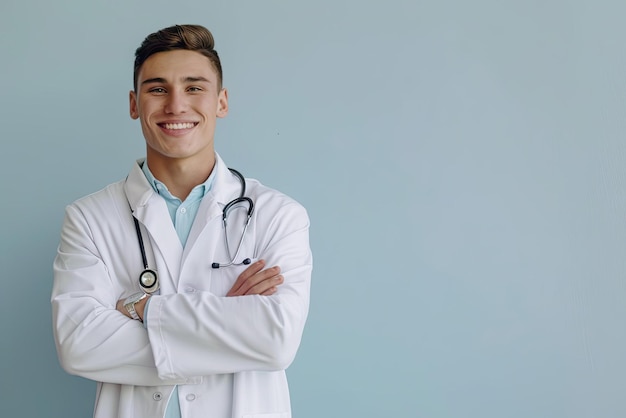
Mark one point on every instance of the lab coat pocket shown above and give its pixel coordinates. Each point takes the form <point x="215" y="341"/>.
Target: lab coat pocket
<point x="280" y="415"/>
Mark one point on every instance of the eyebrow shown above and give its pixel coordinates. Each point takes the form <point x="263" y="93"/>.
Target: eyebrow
<point x="161" y="80"/>
<point x="195" y="79"/>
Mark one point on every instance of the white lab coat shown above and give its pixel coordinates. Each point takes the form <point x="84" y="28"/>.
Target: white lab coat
<point x="193" y="330"/>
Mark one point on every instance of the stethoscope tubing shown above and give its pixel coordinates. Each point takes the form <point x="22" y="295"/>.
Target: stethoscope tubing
<point x="246" y="261"/>
<point x="144" y="259"/>
<point x="227" y="208"/>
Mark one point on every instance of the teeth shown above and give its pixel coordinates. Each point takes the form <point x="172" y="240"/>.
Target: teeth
<point x="187" y="125"/>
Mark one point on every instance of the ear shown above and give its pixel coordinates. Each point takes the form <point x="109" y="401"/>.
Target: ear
<point x="222" y="103"/>
<point x="132" y="98"/>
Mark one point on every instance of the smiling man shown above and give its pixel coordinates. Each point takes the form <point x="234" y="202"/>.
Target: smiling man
<point x="183" y="289"/>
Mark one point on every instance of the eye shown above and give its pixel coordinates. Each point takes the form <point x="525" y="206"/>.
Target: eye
<point x="194" y="89"/>
<point x="157" y="90"/>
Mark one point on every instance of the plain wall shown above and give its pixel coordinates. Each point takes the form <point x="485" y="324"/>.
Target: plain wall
<point x="462" y="164"/>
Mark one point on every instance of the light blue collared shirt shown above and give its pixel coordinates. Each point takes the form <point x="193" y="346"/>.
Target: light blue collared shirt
<point x="183" y="215"/>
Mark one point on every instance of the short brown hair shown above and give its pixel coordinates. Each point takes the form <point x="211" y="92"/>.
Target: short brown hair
<point x="190" y="37"/>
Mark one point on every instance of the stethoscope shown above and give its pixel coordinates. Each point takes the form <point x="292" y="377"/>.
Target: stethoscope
<point x="149" y="280"/>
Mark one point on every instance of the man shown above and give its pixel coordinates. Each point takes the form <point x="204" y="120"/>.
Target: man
<point x="208" y="332"/>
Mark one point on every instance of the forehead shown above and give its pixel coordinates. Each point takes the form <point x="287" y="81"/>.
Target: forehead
<point x="178" y="64"/>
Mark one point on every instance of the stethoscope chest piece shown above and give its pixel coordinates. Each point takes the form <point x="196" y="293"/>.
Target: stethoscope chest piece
<point x="149" y="281"/>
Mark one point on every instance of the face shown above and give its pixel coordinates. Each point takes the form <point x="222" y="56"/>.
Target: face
<point x="177" y="102"/>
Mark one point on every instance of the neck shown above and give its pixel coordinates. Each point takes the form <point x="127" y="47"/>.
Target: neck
<point x="180" y="176"/>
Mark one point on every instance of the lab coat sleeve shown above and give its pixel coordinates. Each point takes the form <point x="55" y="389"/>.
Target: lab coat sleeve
<point x="93" y="339"/>
<point x="200" y="333"/>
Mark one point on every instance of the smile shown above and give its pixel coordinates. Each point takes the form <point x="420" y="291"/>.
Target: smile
<point x="176" y="126"/>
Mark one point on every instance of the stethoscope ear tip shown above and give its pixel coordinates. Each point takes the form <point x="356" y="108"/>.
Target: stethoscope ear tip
<point x="215" y="265"/>
<point x="247" y="261"/>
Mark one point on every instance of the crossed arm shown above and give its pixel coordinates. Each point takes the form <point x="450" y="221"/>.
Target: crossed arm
<point x="252" y="281"/>
<point x="259" y="332"/>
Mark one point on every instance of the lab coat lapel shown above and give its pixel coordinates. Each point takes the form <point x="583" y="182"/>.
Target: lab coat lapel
<point x="151" y="211"/>
<point x="225" y="188"/>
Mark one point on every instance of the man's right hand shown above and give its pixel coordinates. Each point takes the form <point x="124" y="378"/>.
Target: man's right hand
<point x="256" y="281"/>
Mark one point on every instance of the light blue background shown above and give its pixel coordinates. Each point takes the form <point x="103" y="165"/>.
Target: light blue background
<point x="463" y="164"/>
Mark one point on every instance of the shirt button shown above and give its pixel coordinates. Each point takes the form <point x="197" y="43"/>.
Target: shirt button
<point x="157" y="396"/>
<point x="183" y="210"/>
<point x="191" y="397"/>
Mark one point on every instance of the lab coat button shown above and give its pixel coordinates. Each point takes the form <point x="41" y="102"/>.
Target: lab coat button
<point x="157" y="396"/>
<point x="191" y="397"/>
<point x="190" y="290"/>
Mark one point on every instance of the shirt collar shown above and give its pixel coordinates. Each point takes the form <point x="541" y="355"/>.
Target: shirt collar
<point x="160" y="188"/>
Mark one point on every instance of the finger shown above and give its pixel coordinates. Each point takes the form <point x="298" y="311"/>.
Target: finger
<point x="269" y="291"/>
<point x="265" y="285"/>
<point x="255" y="280"/>
<point x="253" y="269"/>
<point x="246" y="276"/>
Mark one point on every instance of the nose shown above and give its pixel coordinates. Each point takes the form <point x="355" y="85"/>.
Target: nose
<point x="176" y="103"/>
